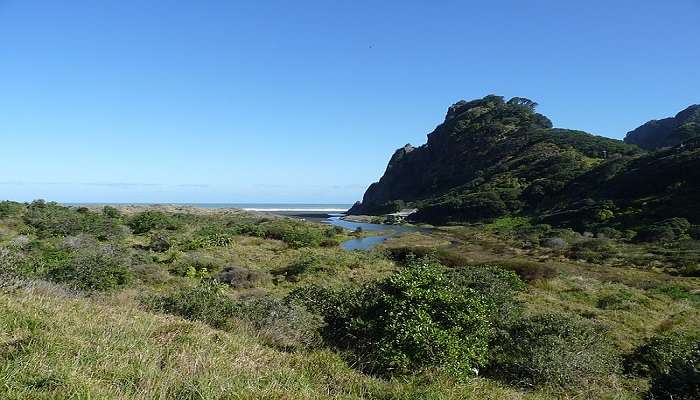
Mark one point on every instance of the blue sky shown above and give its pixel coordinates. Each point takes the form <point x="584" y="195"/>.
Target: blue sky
<point x="304" y="101"/>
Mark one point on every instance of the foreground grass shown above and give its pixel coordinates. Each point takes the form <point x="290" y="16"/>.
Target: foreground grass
<point x="55" y="345"/>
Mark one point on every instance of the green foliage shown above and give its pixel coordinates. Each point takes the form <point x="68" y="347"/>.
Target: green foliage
<point x="243" y="278"/>
<point x="110" y="212"/>
<point x="150" y="220"/>
<point x="12" y="266"/>
<point x="296" y="234"/>
<point x="497" y="288"/>
<point x="159" y="243"/>
<point x="665" y="231"/>
<point x="620" y="300"/>
<point x="681" y="381"/>
<point x="91" y="269"/>
<point x="593" y="250"/>
<point x="282" y="324"/>
<point x="10" y="208"/>
<point x="205" y="302"/>
<point x="529" y="271"/>
<point x="51" y="219"/>
<point x="553" y="350"/>
<point x="416" y="319"/>
<point x="656" y="356"/>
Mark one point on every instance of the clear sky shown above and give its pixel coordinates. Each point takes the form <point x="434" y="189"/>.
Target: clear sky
<point x="305" y="101"/>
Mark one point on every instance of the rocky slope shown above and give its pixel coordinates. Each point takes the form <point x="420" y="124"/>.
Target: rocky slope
<point x="667" y="132"/>
<point x="492" y="157"/>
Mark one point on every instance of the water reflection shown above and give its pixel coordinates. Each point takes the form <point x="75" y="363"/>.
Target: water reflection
<point x="367" y="243"/>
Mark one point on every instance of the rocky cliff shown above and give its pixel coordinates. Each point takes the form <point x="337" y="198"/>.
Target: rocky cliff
<point x="667" y="132"/>
<point x="492" y="157"/>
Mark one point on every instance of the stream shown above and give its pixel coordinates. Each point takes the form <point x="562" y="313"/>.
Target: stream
<point x="367" y="243"/>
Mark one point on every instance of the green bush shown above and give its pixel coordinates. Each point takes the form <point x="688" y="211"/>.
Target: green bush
<point x="110" y="212"/>
<point x="620" y="300"/>
<point x="497" y="288"/>
<point x="286" y="325"/>
<point x="13" y="265"/>
<point x="10" y="208"/>
<point x="51" y="219"/>
<point x="682" y="381"/>
<point x="665" y="231"/>
<point x="656" y="356"/>
<point x="307" y="261"/>
<point x="296" y="234"/>
<point x="150" y="220"/>
<point x="205" y="302"/>
<point x="414" y="320"/>
<point x="554" y="351"/>
<point x="159" y="243"/>
<point x="242" y="278"/>
<point x="91" y="269"/>
<point x="529" y="271"/>
<point x="593" y="250"/>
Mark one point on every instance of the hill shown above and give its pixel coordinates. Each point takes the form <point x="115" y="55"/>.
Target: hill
<point x="667" y="132"/>
<point x="493" y="158"/>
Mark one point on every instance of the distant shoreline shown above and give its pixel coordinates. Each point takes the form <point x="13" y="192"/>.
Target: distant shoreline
<point x="259" y="207"/>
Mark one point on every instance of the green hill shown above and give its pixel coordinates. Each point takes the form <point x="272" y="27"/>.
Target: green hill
<point x="493" y="158"/>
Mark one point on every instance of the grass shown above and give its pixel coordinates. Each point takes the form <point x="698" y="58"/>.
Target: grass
<point x="55" y="346"/>
<point x="59" y="343"/>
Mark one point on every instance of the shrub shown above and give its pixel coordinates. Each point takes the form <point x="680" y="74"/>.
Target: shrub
<point x="50" y="219"/>
<point x="149" y="220"/>
<point x="296" y="234"/>
<point x="682" y="381"/>
<point x="150" y="273"/>
<point x="620" y="300"/>
<point x="307" y="261"/>
<point x="92" y="269"/>
<point x="238" y="277"/>
<point x="529" y="271"/>
<point x="593" y="250"/>
<point x="282" y="324"/>
<point x="12" y="266"/>
<point x="416" y="319"/>
<point x="196" y="266"/>
<point x="110" y="212"/>
<point x="497" y="288"/>
<point x="664" y="231"/>
<point x="10" y="208"/>
<point x="554" y="243"/>
<point x="205" y="302"/>
<point x="694" y="232"/>
<point x="159" y="243"/>
<point x="553" y="350"/>
<point x="656" y="356"/>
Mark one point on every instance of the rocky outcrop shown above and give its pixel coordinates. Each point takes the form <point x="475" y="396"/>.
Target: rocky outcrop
<point x="492" y="157"/>
<point x="667" y="132"/>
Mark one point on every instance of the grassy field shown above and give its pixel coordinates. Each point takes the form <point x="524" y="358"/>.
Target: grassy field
<point x="109" y="304"/>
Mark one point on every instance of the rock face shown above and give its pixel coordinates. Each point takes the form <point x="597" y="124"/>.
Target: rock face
<point x="667" y="132"/>
<point x="492" y="157"/>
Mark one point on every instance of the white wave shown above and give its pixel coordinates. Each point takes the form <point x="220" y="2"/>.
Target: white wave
<point x="341" y="210"/>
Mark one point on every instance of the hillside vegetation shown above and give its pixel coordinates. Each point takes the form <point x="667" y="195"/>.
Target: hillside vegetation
<point x="157" y="302"/>
<point x="492" y="158"/>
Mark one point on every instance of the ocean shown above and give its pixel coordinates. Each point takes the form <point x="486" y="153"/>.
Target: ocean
<point x="265" y="207"/>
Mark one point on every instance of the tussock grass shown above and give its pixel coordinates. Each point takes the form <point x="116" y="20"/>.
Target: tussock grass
<point x="56" y="345"/>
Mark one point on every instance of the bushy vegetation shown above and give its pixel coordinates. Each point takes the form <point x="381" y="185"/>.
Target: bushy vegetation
<point x="453" y="312"/>
<point x="554" y="350"/>
<point x="416" y="319"/>
<point x="656" y="356"/>
<point x="682" y="379"/>
<point x="97" y="269"/>
<point x="151" y="220"/>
